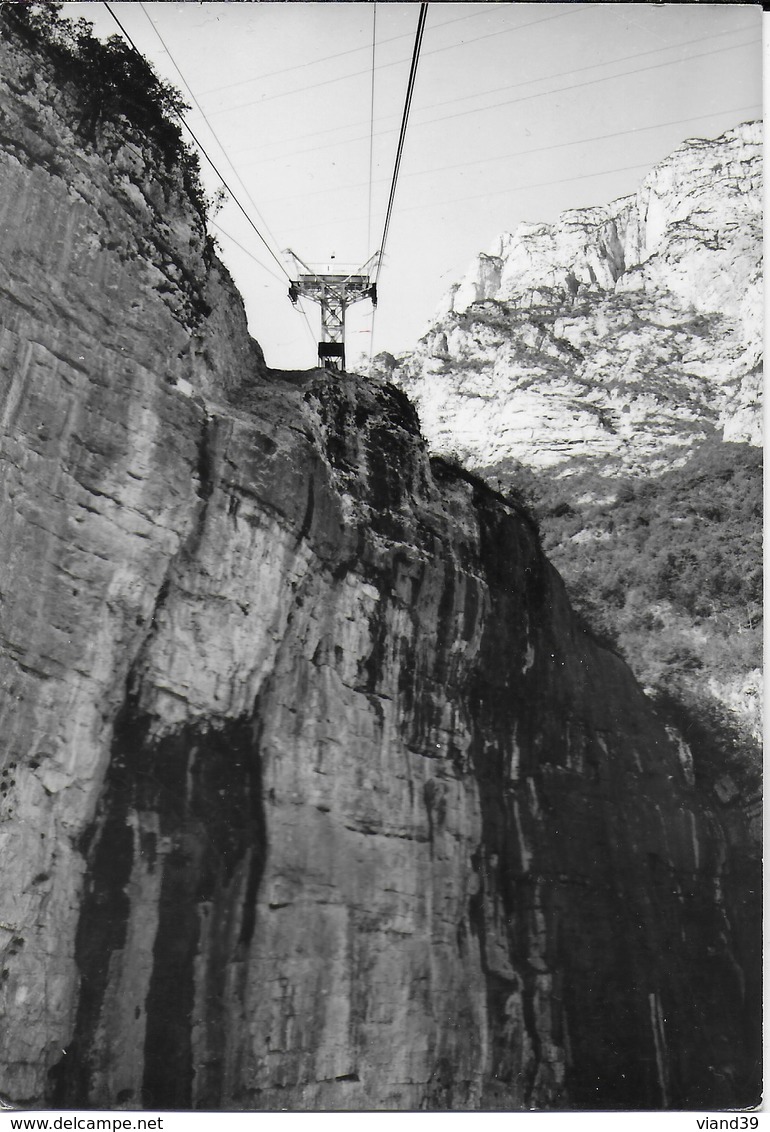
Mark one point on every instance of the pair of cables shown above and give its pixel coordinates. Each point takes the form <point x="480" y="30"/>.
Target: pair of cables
<point x="209" y="159"/>
<point x="228" y="188"/>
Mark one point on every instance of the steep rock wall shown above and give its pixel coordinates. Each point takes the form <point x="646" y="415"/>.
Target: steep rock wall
<point x="314" y="792"/>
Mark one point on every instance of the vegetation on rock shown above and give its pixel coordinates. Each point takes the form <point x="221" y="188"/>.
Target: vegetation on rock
<point x="115" y="83"/>
<point x="668" y="572"/>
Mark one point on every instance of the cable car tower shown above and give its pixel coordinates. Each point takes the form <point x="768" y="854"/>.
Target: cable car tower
<point x="334" y="294"/>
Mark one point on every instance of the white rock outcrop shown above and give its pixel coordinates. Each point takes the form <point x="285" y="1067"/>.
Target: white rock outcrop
<point x="619" y="335"/>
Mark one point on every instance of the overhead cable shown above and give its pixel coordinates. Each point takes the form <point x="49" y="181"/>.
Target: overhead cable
<point x="203" y="151"/>
<point x="395" y="63"/>
<point x="436" y="204"/>
<point x="584" y="141"/>
<point x="578" y="70"/>
<point x="304" y="314"/>
<point x="499" y="192"/>
<point x="251" y="256"/>
<point x="402" y="135"/>
<point x="337" y="55"/>
<point x="590" y="82"/>
<point x="219" y="228"/>
<point x="203" y="115"/>
<point x="477" y="161"/>
<point x="465" y="97"/>
<point x="535" y="95"/>
<point x="371" y="129"/>
<point x="536" y="185"/>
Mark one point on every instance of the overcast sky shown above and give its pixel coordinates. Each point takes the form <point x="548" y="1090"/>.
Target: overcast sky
<point x="520" y="111"/>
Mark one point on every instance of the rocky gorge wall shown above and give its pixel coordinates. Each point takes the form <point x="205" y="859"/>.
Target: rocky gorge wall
<point x="314" y="792"/>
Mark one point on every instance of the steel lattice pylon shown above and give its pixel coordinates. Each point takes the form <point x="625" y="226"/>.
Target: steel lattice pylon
<point x="334" y="294"/>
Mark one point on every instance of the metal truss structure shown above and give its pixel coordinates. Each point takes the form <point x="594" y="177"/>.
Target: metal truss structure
<point x="334" y="294"/>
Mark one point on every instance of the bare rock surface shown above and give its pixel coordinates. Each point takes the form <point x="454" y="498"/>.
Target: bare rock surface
<point x="314" y="793"/>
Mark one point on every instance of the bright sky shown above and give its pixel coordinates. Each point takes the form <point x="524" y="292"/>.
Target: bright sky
<point x="520" y="111"/>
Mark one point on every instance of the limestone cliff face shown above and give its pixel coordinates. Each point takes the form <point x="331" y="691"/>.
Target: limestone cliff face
<point x="314" y="794"/>
<point x="617" y="337"/>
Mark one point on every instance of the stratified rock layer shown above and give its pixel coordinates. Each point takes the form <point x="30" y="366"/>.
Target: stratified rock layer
<point x="315" y="794"/>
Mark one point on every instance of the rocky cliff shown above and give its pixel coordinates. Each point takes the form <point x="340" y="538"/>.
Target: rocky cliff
<point x="314" y="792"/>
<point x="616" y="338"/>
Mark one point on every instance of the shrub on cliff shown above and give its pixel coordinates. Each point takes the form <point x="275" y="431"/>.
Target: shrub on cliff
<point x="115" y="83"/>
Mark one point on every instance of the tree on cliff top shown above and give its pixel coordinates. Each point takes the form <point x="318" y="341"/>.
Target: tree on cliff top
<point x="114" y="80"/>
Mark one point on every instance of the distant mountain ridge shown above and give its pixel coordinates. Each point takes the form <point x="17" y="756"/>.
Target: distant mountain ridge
<point x="619" y="336"/>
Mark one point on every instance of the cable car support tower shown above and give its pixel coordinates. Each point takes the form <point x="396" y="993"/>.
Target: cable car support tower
<point x="334" y="294"/>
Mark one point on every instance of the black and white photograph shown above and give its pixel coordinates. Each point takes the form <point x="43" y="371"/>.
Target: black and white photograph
<point x="380" y="559"/>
